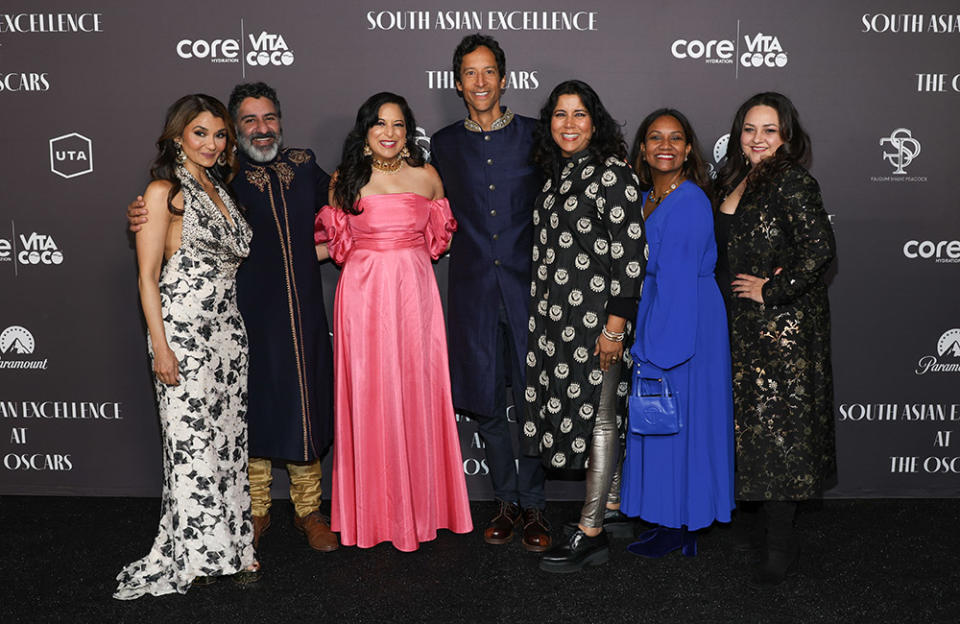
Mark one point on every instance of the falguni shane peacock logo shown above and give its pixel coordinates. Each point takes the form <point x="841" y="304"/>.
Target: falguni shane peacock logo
<point x="16" y="345"/>
<point x="947" y="359"/>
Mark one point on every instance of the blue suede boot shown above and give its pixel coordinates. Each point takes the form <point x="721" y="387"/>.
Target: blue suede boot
<point x="663" y="540"/>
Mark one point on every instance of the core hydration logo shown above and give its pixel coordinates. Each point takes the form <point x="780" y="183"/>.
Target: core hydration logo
<point x="263" y="49"/>
<point x="948" y="348"/>
<point x="899" y="149"/>
<point x="745" y="50"/>
<point x="16" y="342"/>
<point x="941" y="252"/>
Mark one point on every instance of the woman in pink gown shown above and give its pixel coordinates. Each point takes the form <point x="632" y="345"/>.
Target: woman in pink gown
<point x="397" y="469"/>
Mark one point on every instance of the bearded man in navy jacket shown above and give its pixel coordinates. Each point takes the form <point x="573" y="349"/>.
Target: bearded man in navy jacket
<point x="484" y="161"/>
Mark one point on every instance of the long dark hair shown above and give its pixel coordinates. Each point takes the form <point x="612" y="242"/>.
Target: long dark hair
<point x="694" y="167"/>
<point x="353" y="172"/>
<point x="607" y="139"/>
<point x="795" y="148"/>
<point x="179" y="115"/>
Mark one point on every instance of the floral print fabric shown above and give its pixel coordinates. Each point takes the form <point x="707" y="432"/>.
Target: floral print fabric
<point x="205" y="524"/>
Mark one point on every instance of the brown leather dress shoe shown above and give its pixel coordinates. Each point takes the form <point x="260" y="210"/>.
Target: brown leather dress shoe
<point x="500" y="528"/>
<point x="317" y="531"/>
<point x="260" y="526"/>
<point x="536" y="530"/>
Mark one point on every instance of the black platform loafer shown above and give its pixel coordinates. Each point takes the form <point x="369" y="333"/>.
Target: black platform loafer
<point x="576" y="552"/>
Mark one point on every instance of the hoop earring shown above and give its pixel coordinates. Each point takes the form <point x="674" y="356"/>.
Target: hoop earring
<point x="181" y="157"/>
<point x="404" y="153"/>
<point x="366" y="150"/>
<point x="222" y="159"/>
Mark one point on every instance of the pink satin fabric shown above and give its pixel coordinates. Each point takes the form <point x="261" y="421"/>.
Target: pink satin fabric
<point x="397" y="469"/>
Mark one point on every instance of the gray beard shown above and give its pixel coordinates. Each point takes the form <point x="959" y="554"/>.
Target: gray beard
<point x="259" y="155"/>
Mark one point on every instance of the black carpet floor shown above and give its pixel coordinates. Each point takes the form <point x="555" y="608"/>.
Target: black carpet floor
<point x="875" y="561"/>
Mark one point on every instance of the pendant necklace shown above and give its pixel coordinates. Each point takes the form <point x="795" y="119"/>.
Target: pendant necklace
<point x="653" y="199"/>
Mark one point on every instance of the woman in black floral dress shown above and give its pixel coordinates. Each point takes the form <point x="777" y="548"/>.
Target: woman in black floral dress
<point x="589" y="255"/>
<point x="776" y="243"/>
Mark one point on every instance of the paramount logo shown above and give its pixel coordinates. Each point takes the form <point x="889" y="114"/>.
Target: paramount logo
<point x="15" y="343"/>
<point x="948" y="347"/>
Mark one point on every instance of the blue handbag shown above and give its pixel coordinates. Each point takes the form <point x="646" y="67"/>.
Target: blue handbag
<point x="653" y="406"/>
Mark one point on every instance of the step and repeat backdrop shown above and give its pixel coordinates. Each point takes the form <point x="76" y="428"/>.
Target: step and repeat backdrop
<point x="83" y="91"/>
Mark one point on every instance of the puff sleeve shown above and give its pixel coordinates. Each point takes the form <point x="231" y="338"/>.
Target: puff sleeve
<point x="332" y="226"/>
<point x="440" y="227"/>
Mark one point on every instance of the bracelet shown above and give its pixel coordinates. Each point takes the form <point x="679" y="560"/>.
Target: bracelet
<point x="612" y="336"/>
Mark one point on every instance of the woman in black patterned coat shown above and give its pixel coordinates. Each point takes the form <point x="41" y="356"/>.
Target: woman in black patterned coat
<point x="589" y="255"/>
<point x="776" y="243"/>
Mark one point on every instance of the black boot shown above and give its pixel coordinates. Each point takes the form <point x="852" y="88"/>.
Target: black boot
<point x="782" y="549"/>
<point x="748" y="530"/>
<point x="576" y="552"/>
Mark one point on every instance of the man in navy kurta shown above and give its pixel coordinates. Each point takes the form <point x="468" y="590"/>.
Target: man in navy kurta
<point x="280" y="296"/>
<point x="484" y="161"/>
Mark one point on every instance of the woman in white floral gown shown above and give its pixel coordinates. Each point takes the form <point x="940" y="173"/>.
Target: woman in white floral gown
<point x="188" y="253"/>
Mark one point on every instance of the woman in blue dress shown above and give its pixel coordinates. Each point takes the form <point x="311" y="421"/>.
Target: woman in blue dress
<point x="681" y="482"/>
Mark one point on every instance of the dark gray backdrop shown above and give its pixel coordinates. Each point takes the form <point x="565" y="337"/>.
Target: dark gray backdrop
<point x="83" y="93"/>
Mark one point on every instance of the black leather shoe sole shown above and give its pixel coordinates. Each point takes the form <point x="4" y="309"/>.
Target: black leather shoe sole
<point x="563" y="566"/>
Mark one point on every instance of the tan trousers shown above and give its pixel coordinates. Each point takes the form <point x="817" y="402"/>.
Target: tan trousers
<point x="304" y="485"/>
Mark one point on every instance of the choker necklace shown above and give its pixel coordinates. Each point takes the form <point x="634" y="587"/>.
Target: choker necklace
<point x="653" y="199"/>
<point x="388" y="166"/>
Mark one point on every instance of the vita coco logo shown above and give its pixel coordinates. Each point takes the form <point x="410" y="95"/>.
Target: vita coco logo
<point x="31" y="249"/>
<point x="263" y="49"/>
<point x="750" y="50"/>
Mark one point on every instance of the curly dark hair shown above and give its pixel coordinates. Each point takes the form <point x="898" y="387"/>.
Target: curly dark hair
<point x="470" y="43"/>
<point x="255" y="90"/>
<point x="607" y="138"/>
<point x="694" y="168"/>
<point x="353" y="172"/>
<point x="796" y="147"/>
<point x="179" y="115"/>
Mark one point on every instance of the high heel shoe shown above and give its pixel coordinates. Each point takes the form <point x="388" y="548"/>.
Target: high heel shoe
<point x="249" y="575"/>
<point x="662" y="541"/>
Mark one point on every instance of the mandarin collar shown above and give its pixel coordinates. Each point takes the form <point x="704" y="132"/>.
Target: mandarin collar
<point x="501" y="122"/>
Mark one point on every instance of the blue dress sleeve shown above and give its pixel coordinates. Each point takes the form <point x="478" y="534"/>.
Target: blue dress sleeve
<point x="669" y="330"/>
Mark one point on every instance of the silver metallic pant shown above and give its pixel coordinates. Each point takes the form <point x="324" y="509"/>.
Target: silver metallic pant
<point x="606" y="458"/>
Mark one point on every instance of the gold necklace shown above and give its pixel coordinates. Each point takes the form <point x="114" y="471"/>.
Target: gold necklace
<point x="388" y="166"/>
